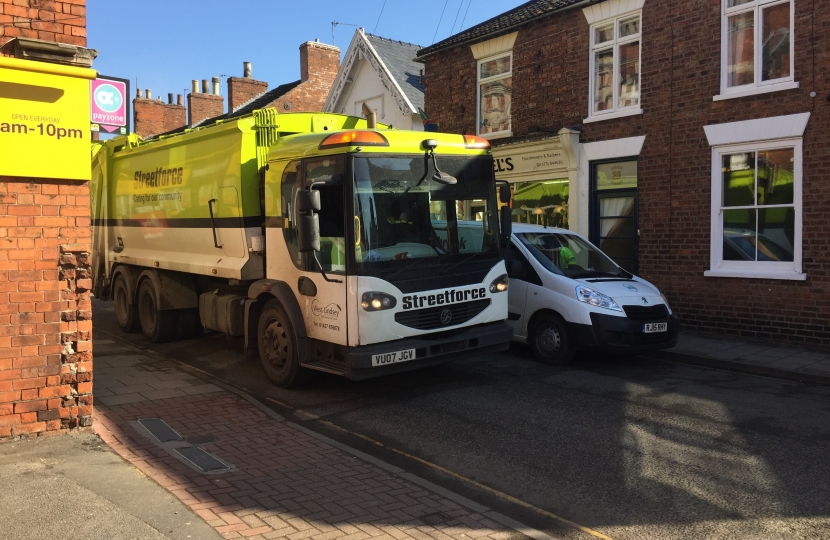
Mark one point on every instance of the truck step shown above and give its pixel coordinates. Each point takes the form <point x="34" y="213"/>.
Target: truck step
<point x="323" y="365"/>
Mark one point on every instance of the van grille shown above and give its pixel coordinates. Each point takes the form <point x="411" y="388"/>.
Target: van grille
<point x="429" y="318"/>
<point x="646" y="313"/>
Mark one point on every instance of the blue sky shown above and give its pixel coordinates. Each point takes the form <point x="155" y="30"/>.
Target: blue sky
<point x="167" y="43"/>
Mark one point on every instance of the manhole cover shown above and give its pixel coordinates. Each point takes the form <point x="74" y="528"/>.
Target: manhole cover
<point x="160" y="430"/>
<point x="201" y="459"/>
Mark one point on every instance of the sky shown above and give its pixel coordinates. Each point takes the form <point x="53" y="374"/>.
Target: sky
<point x="164" y="44"/>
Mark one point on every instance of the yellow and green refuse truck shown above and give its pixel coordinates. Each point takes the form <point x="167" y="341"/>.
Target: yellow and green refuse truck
<point x="328" y="242"/>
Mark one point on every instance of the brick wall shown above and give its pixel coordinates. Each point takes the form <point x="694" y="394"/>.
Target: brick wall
<point x="680" y="76"/>
<point x="63" y="21"/>
<point x="151" y="116"/>
<point x="243" y="89"/>
<point x="203" y="106"/>
<point x="45" y="309"/>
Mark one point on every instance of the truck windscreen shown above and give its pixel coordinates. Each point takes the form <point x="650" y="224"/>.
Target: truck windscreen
<point x="405" y="220"/>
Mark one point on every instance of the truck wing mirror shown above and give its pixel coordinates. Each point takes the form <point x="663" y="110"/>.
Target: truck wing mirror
<point x="308" y="200"/>
<point x="308" y="233"/>
<point x="506" y="223"/>
<point x="504" y="193"/>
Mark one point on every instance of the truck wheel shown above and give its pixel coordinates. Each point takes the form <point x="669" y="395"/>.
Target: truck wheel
<point x="126" y="314"/>
<point x="549" y="340"/>
<point x="158" y="325"/>
<point x="278" y="348"/>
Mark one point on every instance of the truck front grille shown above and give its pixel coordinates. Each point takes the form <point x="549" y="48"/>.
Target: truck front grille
<point x="646" y="313"/>
<point x="429" y="318"/>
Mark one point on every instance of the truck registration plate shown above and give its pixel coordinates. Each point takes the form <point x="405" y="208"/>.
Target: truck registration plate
<point x="650" y="328"/>
<point x="392" y="357"/>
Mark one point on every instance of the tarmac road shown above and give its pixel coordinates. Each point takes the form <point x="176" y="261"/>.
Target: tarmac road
<point x="626" y="448"/>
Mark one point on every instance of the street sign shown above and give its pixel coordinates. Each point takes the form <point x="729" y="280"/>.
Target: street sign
<point x="109" y="104"/>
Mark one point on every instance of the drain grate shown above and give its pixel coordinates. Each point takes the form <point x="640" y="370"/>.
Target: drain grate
<point x="160" y="430"/>
<point x="200" y="458"/>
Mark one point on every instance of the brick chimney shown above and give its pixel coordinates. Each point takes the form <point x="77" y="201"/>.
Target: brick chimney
<point x="318" y="69"/>
<point x="203" y="105"/>
<point x="242" y="89"/>
<point x="153" y="116"/>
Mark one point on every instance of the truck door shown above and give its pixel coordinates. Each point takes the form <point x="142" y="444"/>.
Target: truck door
<point x="322" y="302"/>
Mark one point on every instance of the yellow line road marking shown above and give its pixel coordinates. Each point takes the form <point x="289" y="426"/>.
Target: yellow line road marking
<point x="479" y="485"/>
<point x="280" y="403"/>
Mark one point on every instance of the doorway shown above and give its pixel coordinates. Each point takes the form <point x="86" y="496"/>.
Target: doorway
<point x="615" y="225"/>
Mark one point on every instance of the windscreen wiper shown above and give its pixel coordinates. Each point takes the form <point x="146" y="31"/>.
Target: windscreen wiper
<point x="413" y="264"/>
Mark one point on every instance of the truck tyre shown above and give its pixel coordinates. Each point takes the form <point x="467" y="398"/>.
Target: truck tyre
<point x="159" y="326"/>
<point x="278" y="347"/>
<point x="549" y="340"/>
<point x="126" y="314"/>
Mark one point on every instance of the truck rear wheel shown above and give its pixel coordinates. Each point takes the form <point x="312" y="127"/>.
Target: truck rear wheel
<point x="158" y="325"/>
<point x="278" y="348"/>
<point x="549" y="340"/>
<point x="126" y="314"/>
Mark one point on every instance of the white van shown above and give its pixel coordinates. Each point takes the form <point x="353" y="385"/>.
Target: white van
<point x="565" y="295"/>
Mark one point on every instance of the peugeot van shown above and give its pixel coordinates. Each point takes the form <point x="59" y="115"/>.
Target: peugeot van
<point x="566" y="295"/>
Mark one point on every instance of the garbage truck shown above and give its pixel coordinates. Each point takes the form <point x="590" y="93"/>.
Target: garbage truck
<point x="329" y="242"/>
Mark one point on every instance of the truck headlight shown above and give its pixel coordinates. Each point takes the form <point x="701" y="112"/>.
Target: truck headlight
<point x="499" y="284"/>
<point x="590" y="296"/>
<point x="377" y="301"/>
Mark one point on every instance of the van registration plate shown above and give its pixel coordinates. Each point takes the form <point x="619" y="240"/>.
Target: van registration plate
<point x="392" y="357"/>
<point x="650" y="328"/>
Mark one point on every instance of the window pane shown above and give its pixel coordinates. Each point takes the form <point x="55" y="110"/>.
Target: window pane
<point x="741" y="35"/>
<point x="630" y="26"/>
<point x="776" y="42"/>
<point x="604" y="33"/>
<point x="604" y="80"/>
<point x="739" y="179"/>
<point x="776" y="176"/>
<point x="733" y="3"/>
<point x="629" y="74"/>
<point x="494" y="67"/>
<point x="619" y="175"/>
<point x="494" y="112"/>
<point x="739" y="235"/>
<point x="776" y="234"/>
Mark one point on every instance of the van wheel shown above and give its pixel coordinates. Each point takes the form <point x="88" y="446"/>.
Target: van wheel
<point x="278" y="348"/>
<point x="157" y="325"/>
<point x="549" y="340"/>
<point x="126" y="314"/>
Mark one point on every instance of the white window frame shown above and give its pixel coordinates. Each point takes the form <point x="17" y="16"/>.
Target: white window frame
<point x="755" y="269"/>
<point x="758" y="86"/>
<point x="616" y="111"/>
<point x="480" y="81"/>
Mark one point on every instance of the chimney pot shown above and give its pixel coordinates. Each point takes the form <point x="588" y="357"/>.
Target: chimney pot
<point x="216" y="86"/>
<point x="149" y="94"/>
<point x="179" y="100"/>
<point x="195" y="84"/>
<point x="205" y="86"/>
<point x="246" y="70"/>
<point x="138" y="92"/>
<point x="169" y="98"/>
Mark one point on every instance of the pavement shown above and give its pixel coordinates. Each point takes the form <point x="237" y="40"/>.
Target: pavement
<point x="177" y="454"/>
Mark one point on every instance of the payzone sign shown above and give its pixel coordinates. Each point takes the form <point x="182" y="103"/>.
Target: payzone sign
<point x="108" y="103"/>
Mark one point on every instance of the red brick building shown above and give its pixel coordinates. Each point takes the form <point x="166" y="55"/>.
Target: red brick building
<point x="45" y="310"/>
<point x="318" y="69"/>
<point x="687" y="138"/>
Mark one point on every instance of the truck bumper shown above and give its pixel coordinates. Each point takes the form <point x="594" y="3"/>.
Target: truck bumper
<point x="622" y="334"/>
<point x="429" y="350"/>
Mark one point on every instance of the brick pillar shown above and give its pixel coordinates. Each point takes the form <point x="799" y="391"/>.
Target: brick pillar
<point x="202" y="106"/>
<point x="242" y="89"/>
<point x="152" y="117"/>
<point x="45" y="310"/>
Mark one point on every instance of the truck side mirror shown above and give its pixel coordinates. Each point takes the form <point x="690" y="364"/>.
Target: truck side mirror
<point x="308" y="232"/>
<point x="506" y="223"/>
<point x="308" y="200"/>
<point x="504" y="193"/>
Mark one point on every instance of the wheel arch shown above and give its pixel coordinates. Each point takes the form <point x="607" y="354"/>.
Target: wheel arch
<point x="262" y="291"/>
<point x="539" y="313"/>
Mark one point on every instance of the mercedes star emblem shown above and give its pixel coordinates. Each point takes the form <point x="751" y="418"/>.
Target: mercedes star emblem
<point x="446" y="316"/>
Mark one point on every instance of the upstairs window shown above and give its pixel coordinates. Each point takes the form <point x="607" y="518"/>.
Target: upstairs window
<point x="757" y="48"/>
<point x="495" y="88"/>
<point x="615" y="65"/>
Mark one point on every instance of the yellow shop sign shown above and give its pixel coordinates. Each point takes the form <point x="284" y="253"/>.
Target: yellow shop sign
<point x="44" y="120"/>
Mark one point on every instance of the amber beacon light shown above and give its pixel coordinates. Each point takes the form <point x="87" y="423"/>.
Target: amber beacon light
<point x="354" y="138"/>
<point x="474" y="141"/>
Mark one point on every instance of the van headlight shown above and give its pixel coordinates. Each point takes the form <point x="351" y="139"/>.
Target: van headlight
<point x="499" y="284"/>
<point x="594" y="298"/>
<point x="666" y="300"/>
<point x="377" y="301"/>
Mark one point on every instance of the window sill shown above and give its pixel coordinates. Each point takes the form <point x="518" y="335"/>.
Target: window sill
<point x="756" y="90"/>
<point x="496" y="135"/>
<point x="609" y="116"/>
<point x="792" y="276"/>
